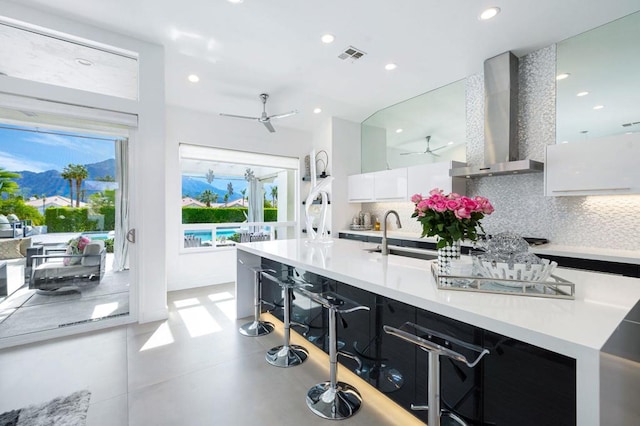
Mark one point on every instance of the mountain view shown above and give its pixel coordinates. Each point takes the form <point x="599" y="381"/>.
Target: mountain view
<point x="50" y="183"/>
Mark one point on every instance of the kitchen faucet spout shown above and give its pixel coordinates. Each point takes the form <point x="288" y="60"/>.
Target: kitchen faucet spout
<point x="384" y="247"/>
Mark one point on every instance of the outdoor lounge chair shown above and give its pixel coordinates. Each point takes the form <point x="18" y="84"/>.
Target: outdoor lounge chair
<point x="52" y="272"/>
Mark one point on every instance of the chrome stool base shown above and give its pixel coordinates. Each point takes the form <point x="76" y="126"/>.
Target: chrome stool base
<point x="337" y="403"/>
<point x="450" y="419"/>
<point x="286" y="355"/>
<point x="256" y="328"/>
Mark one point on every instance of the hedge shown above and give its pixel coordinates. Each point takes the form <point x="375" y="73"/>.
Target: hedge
<point x="222" y="215"/>
<point x="68" y="219"/>
<point x="109" y="213"/>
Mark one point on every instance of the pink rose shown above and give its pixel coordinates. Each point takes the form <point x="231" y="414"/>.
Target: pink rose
<point x="453" y="205"/>
<point x="440" y="206"/>
<point x="416" y="198"/>
<point x="462" y="213"/>
<point x="435" y="191"/>
<point x="469" y="204"/>
<point x="454" y="196"/>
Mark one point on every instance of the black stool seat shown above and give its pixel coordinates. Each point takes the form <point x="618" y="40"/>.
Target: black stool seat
<point x="437" y="344"/>
<point x="332" y="399"/>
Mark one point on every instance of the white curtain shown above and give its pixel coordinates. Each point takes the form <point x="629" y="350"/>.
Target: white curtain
<point x="256" y="204"/>
<point x="121" y="245"/>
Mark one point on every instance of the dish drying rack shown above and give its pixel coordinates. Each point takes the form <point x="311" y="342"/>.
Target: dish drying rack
<point x="554" y="287"/>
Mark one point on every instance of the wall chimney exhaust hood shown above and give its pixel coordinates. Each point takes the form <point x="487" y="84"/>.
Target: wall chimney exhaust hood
<point x="500" y="122"/>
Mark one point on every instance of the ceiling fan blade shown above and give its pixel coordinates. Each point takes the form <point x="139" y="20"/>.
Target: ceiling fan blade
<point x="268" y="125"/>
<point x="412" y="153"/>
<point x="440" y="147"/>
<point x="240" y="116"/>
<point x="286" y="114"/>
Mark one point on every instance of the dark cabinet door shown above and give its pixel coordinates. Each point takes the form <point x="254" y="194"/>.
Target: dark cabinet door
<point x="526" y="385"/>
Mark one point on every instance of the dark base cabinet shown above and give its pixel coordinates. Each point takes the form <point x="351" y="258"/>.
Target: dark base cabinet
<point x="515" y="384"/>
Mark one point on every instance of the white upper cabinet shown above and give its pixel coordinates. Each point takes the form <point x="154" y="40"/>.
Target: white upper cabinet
<point x="400" y="184"/>
<point x="602" y="167"/>
<point x="360" y="187"/>
<point x="390" y="185"/>
<point x="425" y="177"/>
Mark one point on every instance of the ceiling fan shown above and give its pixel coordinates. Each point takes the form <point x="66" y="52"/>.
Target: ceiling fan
<point x="264" y="118"/>
<point x="428" y="150"/>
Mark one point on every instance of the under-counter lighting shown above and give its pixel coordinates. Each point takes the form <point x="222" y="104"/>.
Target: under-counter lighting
<point x="562" y="76"/>
<point x="390" y="67"/>
<point x="598" y="107"/>
<point x="193" y="78"/>
<point x="327" y="38"/>
<point x="489" y="13"/>
<point x="317" y="110"/>
<point x="585" y="93"/>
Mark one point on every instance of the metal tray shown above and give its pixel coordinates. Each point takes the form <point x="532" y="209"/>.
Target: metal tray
<point x="555" y="287"/>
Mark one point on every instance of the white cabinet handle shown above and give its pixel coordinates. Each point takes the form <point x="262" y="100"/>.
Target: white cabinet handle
<point x="591" y="189"/>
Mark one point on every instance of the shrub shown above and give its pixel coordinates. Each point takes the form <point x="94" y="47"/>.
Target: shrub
<point x="108" y="245"/>
<point x="109" y="213"/>
<point x="20" y="209"/>
<point x="69" y="219"/>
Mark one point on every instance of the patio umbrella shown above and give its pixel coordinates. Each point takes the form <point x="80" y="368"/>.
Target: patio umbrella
<point x="256" y="204"/>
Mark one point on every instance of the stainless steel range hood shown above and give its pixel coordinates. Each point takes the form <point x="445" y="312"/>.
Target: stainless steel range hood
<point x="500" y="122"/>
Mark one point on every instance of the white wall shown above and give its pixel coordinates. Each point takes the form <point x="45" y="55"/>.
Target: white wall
<point x="194" y="127"/>
<point x="345" y="157"/>
<point x="147" y="147"/>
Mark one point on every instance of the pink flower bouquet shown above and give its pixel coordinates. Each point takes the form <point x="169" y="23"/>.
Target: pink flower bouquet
<point x="451" y="217"/>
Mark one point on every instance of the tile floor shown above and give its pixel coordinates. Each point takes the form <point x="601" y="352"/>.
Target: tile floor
<point x="193" y="369"/>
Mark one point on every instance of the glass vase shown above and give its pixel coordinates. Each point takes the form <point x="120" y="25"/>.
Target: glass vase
<point x="445" y="255"/>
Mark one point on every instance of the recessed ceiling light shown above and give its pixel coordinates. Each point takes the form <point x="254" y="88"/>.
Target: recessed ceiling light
<point x="564" y="142"/>
<point x="317" y="110"/>
<point x="327" y="38"/>
<point x="582" y="93"/>
<point x="390" y="67"/>
<point x="193" y="78"/>
<point x="85" y="62"/>
<point x="450" y="143"/>
<point x="562" y="76"/>
<point x="598" y="107"/>
<point x="489" y="13"/>
<point x="235" y="1"/>
<point x="398" y="130"/>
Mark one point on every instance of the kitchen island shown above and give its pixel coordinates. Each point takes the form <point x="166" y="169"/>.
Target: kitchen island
<point x="576" y="329"/>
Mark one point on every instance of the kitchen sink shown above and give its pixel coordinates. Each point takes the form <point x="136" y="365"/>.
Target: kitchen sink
<point x="405" y="252"/>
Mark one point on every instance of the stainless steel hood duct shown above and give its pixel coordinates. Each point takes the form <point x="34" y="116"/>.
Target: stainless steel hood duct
<point x="500" y="122"/>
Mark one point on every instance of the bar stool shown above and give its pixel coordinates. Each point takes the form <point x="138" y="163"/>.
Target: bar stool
<point x="256" y="327"/>
<point x="443" y="346"/>
<point x="333" y="400"/>
<point x="286" y="355"/>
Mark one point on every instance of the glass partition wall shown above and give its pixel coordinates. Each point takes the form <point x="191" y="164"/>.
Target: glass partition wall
<point x="231" y="196"/>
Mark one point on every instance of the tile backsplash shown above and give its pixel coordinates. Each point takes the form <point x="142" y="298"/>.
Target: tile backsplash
<point x="598" y="221"/>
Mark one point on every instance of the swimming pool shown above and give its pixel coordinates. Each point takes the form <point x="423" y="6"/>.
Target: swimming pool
<point x="205" y="235"/>
<point x="99" y="235"/>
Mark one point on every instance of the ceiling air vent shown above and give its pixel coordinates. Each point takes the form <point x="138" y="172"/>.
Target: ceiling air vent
<point x="631" y="124"/>
<point x="351" y="53"/>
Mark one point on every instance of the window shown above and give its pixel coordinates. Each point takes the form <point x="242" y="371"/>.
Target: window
<point x="234" y="196"/>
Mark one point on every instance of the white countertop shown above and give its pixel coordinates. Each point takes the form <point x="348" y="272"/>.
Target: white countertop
<point x="592" y="253"/>
<point x="570" y="327"/>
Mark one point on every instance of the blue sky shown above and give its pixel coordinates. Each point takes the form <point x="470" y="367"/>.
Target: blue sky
<point x="38" y="152"/>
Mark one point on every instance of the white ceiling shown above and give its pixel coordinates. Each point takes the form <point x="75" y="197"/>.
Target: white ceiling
<point x="240" y="51"/>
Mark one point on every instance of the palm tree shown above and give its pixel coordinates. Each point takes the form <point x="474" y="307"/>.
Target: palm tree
<point x="7" y="185"/>
<point x="67" y="173"/>
<point x="215" y="197"/>
<point x="230" y="189"/>
<point x="244" y="195"/>
<point x="209" y="176"/>
<point x="226" y="199"/>
<point x="274" y="195"/>
<point x="208" y="197"/>
<point x="80" y="173"/>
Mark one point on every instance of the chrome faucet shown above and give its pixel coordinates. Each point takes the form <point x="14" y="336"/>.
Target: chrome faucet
<point x="384" y="247"/>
